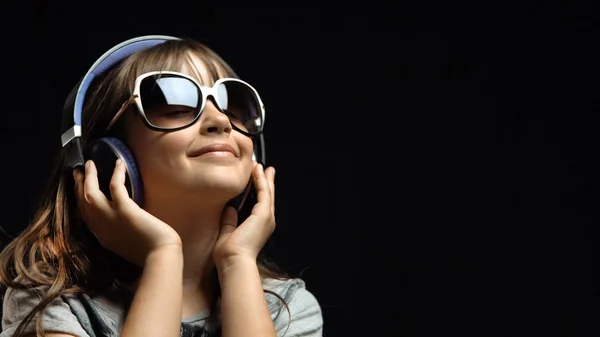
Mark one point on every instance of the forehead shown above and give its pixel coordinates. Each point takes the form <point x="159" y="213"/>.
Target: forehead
<point x="197" y="68"/>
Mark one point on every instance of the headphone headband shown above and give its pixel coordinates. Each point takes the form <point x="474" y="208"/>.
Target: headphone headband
<point x="74" y="103"/>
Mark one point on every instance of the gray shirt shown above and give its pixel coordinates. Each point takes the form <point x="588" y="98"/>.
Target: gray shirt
<point x="103" y="315"/>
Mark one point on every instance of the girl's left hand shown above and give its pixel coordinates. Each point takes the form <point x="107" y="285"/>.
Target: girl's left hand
<point x="246" y="240"/>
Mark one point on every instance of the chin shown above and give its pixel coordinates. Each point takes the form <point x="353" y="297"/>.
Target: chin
<point x="226" y="186"/>
<point x="218" y="181"/>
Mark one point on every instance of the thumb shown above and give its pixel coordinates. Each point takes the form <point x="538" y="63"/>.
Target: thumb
<point x="228" y="222"/>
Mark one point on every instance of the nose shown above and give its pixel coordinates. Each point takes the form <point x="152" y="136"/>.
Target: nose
<point x="214" y="121"/>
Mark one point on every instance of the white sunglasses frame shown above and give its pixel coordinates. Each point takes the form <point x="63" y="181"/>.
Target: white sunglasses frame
<point x="206" y="93"/>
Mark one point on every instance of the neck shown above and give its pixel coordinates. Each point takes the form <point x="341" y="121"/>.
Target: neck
<point x="198" y="226"/>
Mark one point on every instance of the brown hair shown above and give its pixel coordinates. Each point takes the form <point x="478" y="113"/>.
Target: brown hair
<point x="56" y="250"/>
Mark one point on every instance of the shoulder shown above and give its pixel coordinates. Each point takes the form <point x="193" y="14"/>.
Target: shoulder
<point x="57" y="316"/>
<point x="292" y="291"/>
<point x="293" y="307"/>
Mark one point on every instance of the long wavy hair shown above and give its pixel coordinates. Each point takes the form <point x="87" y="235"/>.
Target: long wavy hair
<point x="56" y="250"/>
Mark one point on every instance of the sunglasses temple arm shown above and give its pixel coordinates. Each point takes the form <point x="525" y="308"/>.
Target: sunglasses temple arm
<point x="120" y="112"/>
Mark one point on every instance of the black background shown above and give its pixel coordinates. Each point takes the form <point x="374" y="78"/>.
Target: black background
<point x="436" y="163"/>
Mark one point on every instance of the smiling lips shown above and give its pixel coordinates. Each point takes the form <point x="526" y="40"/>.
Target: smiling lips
<point x="215" y="150"/>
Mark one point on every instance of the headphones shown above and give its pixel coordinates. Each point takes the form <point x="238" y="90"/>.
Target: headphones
<point x="106" y="150"/>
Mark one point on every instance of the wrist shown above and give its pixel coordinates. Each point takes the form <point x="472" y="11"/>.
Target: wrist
<point x="234" y="263"/>
<point x="165" y="253"/>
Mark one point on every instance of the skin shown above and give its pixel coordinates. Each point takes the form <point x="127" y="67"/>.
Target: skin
<point x="185" y="228"/>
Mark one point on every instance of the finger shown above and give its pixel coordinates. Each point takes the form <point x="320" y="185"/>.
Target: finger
<point x="270" y="174"/>
<point x="263" y="192"/>
<point x="118" y="191"/>
<point x="91" y="189"/>
<point x="228" y="222"/>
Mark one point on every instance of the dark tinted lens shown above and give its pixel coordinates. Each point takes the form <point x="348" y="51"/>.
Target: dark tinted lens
<point x="240" y="103"/>
<point x="170" y="101"/>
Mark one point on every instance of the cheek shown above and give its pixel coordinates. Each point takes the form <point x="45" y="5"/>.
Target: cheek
<point x="246" y="148"/>
<point x="154" y="152"/>
<point x="245" y="145"/>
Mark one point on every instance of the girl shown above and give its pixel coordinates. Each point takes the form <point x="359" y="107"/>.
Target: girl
<point x="144" y="238"/>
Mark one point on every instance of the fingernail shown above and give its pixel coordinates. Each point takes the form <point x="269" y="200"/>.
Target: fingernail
<point x="119" y="161"/>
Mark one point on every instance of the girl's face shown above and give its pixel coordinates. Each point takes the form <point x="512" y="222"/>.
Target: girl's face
<point x="174" y="164"/>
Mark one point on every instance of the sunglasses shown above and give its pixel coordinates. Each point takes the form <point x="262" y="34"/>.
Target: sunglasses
<point x="170" y="101"/>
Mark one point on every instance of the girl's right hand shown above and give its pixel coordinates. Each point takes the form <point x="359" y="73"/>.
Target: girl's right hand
<point x="120" y="225"/>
